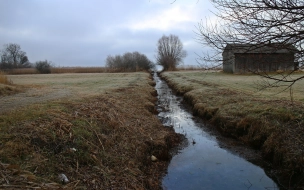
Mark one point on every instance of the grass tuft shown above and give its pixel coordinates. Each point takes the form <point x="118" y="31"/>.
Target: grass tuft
<point x="4" y="79"/>
<point x="6" y="85"/>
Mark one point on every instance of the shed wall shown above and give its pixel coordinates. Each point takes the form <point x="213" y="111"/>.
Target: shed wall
<point x="253" y="62"/>
<point x="228" y="62"/>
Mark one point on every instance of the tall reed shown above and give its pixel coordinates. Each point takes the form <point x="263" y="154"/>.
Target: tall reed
<point x="4" y="79"/>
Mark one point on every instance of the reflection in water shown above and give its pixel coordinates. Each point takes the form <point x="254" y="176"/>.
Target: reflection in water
<point x="203" y="164"/>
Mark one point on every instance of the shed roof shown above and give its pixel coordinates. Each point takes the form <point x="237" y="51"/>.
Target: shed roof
<point x="260" y="48"/>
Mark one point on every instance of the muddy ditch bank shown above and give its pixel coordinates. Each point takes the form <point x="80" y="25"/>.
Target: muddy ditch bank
<point x="276" y="139"/>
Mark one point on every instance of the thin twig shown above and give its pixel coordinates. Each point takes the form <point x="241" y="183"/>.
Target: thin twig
<point x="7" y="182"/>
<point x="96" y="135"/>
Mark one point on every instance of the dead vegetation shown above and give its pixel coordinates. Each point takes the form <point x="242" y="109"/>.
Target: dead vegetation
<point x="6" y="85"/>
<point x="4" y="79"/>
<point x="196" y="68"/>
<point x="8" y="89"/>
<point x="61" y="70"/>
<point x="105" y="142"/>
<point x="274" y="126"/>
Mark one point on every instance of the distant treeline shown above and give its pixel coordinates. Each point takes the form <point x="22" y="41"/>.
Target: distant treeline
<point x="15" y="61"/>
<point x="12" y="57"/>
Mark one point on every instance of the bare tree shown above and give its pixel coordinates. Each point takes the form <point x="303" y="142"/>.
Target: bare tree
<point x="170" y="52"/>
<point x="258" y="22"/>
<point x="12" y="57"/>
<point x="114" y="62"/>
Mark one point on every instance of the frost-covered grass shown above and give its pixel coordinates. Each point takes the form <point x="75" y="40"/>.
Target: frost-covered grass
<point x="249" y="84"/>
<point x="80" y="84"/>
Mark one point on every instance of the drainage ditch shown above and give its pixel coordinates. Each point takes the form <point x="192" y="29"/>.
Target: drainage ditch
<point x="204" y="161"/>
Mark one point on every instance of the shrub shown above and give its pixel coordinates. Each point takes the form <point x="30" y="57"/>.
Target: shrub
<point x="43" y="67"/>
<point x="129" y="62"/>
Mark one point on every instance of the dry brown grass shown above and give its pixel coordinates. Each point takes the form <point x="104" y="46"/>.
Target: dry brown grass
<point x="273" y="125"/>
<point x="4" y="79"/>
<point x="79" y="70"/>
<point x="60" y="70"/>
<point x="6" y="85"/>
<point x="103" y="141"/>
<point x="190" y="68"/>
<point x="23" y="71"/>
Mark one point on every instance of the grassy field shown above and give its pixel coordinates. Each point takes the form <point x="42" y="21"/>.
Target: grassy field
<point x="266" y="120"/>
<point x="248" y="84"/>
<point x="101" y="133"/>
<point x="80" y="85"/>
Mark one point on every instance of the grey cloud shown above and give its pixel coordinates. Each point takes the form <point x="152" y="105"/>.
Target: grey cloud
<point x="83" y="33"/>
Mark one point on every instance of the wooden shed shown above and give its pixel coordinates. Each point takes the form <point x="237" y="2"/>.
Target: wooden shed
<point x="243" y="58"/>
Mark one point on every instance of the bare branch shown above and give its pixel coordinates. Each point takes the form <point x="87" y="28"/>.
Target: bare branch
<point x="259" y="23"/>
<point x="170" y="52"/>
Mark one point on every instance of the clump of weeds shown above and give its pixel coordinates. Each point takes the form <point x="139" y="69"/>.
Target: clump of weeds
<point x="6" y="85"/>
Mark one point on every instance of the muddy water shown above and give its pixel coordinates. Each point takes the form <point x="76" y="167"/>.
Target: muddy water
<point x="202" y="163"/>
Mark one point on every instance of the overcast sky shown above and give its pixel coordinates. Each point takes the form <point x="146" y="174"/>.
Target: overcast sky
<point x="84" y="32"/>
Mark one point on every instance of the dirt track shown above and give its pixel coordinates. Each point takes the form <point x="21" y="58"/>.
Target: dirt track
<point x="31" y="96"/>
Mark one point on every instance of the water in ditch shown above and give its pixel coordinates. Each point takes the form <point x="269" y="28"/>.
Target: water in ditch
<point x="202" y="163"/>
